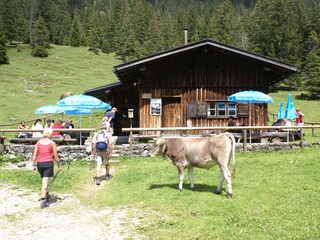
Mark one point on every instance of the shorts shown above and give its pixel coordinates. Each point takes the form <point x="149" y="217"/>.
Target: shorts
<point x="45" y="169"/>
<point x="102" y="157"/>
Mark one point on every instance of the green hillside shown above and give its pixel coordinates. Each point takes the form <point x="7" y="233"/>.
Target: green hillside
<point x="28" y="82"/>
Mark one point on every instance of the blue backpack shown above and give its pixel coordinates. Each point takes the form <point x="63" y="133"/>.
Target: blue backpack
<point x="101" y="141"/>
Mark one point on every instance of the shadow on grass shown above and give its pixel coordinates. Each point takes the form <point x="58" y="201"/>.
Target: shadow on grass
<point x="197" y="187"/>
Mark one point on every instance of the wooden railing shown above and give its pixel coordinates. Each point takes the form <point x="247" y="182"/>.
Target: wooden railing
<point x="246" y="130"/>
<point x="63" y="130"/>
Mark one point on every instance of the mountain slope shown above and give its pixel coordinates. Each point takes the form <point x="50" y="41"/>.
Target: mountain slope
<point x="28" y="82"/>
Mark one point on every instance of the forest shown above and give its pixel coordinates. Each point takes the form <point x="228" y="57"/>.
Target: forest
<point x="287" y="30"/>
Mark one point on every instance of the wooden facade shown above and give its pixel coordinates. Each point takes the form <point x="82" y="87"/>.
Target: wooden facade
<point x="192" y="83"/>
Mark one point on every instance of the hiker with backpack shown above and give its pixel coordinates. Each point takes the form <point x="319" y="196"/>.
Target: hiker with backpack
<point x="102" y="150"/>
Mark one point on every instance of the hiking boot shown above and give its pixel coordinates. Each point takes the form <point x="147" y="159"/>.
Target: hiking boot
<point x="43" y="204"/>
<point x="98" y="181"/>
<point x="108" y="176"/>
<point x="48" y="197"/>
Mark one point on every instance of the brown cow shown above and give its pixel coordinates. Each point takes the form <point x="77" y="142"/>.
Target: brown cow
<point x="199" y="152"/>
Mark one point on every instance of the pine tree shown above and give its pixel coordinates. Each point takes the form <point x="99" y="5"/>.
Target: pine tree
<point x="40" y="39"/>
<point x="310" y="74"/>
<point x="225" y="26"/>
<point x="75" y="32"/>
<point x="3" y="49"/>
<point x="60" y="23"/>
<point x="9" y="19"/>
<point x="274" y="30"/>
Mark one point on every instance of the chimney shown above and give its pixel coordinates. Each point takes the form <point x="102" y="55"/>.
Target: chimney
<point x="185" y="37"/>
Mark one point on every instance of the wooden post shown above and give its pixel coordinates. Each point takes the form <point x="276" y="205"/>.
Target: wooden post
<point x="245" y="140"/>
<point x="130" y="138"/>
<point x="2" y="138"/>
<point x="301" y="137"/>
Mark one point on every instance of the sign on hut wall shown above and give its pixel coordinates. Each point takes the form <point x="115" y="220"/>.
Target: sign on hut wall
<point x="155" y="106"/>
<point x="146" y="96"/>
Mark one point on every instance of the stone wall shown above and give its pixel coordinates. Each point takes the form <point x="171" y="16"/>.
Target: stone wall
<point x="71" y="152"/>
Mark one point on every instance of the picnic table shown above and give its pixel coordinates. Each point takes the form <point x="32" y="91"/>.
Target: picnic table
<point x="261" y="137"/>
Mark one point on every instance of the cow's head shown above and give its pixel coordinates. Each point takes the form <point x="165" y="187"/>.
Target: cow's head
<point x="159" y="147"/>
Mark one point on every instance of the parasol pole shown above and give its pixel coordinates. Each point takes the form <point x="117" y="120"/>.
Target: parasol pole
<point x="250" y="120"/>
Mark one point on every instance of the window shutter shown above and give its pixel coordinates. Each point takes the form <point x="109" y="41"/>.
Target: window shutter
<point x="202" y="109"/>
<point x="191" y="109"/>
<point x="243" y="109"/>
<point x="196" y="109"/>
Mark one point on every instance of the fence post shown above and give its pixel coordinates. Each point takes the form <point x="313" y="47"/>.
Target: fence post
<point x="312" y="130"/>
<point x="2" y="138"/>
<point x="245" y="140"/>
<point x="301" y="137"/>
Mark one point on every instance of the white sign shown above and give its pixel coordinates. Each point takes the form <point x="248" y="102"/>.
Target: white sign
<point x="155" y="106"/>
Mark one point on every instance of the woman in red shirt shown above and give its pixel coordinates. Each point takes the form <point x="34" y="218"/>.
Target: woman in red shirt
<point x="45" y="152"/>
<point x="57" y="125"/>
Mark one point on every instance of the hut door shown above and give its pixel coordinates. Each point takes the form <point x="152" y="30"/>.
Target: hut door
<point x="171" y="111"/>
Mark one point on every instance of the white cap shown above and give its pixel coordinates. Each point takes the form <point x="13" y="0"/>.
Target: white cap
<point x="105" y="125"/>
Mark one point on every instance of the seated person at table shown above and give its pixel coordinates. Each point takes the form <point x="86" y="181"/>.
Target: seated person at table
<point x="23" y="134"/>
<point x="37" y="126"/>
<point x="232" y="123"/>
<point x="69" y="125"/>
<point x="49" y="124"/>
<point x="56" y="125"/>
<point x="279" y="122"/>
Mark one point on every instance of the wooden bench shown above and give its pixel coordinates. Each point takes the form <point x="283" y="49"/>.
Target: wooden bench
<point x="30" y="141"/>
<point x="265" y="136"/>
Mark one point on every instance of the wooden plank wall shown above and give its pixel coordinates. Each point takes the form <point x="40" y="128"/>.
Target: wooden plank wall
<point x="201" y="76"/>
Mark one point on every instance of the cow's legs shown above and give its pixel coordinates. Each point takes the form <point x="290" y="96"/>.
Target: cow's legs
<point x="218" y="191"/>
<point x="225" y="175"/>
<point x="181" y="176"/>
<point x="191" y="177"/>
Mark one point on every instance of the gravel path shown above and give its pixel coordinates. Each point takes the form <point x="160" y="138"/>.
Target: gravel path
<point x="65" y="218"/>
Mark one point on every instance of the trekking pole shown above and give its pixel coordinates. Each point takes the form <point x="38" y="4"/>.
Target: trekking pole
<point x="55" y="176"/>
<point x="92" y="159"/>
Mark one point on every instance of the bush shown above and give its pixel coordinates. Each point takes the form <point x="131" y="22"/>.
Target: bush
<point x="105" y="48"/>
<point x="40" y="51"/>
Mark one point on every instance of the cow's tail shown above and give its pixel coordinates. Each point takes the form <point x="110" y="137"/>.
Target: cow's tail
<point x="232" y="155"/>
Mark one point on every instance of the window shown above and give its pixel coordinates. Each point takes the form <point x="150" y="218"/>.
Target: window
<point x="222" y="109"/>
<point x="211" y="109"/>
<point x="232" y="109"/>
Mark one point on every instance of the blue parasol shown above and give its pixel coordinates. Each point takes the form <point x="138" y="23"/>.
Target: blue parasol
<point x="250" y="97"/>
<point x="49" y="109"/>
<point x="77" y="111"/>
<point x="83" y="101"/>
<point x="281" y="112"/>
<point x="291" y="113"/>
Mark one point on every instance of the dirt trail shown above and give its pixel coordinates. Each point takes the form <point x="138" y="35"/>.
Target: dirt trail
<point x="65" y="218"/>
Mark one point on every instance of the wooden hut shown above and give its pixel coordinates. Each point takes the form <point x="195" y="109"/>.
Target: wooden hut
<point x="190" y="85"/>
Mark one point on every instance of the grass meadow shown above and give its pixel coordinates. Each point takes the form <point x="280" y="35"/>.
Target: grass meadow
<point x="276" y="196"/>
<point x="28" y="83"/>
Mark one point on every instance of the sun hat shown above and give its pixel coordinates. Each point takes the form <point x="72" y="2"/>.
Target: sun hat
<point x="105" y="125"/>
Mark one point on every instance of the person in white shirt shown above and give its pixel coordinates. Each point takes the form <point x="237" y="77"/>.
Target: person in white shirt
<point x="37" y="126"/>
